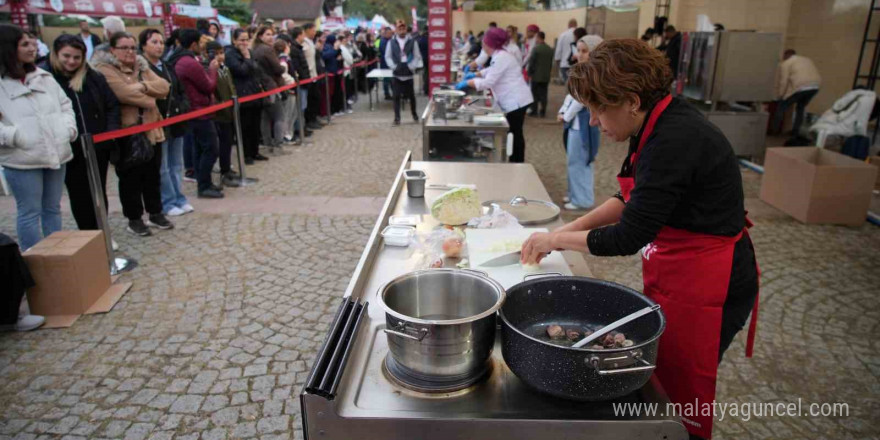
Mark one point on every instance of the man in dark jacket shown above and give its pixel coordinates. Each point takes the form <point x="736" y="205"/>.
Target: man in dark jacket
<point x="200" y="86"/>
<point x="673" y="48"/>
<point x="301" y="68"/>
<point x="91" y="40"/>
<point x="540" y="64"/>
<point x="402" y="56"/>
<point x="423" y="49"/>
<point x="387" y="35"/>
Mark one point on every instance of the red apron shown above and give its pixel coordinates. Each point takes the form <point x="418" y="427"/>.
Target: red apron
<point x="688" y="273"/>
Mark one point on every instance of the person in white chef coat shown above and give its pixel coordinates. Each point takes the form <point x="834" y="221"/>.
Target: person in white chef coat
<point x="504" y="77"/>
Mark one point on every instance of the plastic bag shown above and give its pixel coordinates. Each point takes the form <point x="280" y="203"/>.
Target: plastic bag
<point x="497" y="219"/>
<point x="431" y="250"/>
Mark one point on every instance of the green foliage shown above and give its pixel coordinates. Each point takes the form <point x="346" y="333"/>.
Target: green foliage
<point x="234" y="9"/>
<point x="499" y="5"/>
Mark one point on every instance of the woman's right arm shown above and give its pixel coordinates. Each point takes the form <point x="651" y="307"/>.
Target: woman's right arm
<point x="605" y="214"/>
<point x="129" y="94"/>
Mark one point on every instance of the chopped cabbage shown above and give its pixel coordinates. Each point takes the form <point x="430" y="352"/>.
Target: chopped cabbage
<point x="456" y="206"/>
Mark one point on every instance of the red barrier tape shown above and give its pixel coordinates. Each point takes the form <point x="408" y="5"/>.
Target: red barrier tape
<point x="116" y="134"/>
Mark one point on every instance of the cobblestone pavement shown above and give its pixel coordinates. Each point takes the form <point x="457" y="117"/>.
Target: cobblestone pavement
<point x="228" y="309"/>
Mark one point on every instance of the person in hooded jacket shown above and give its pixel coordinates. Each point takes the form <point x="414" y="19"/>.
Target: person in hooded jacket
<point x="245" y="75"/>
<point x="174" y="202"/>
<point x="272" y="127"/>
<point x="332" y="56"/>
<point x="137" y="88"/>
<point x="97" y="111"/>
<point x="37" y="125"/>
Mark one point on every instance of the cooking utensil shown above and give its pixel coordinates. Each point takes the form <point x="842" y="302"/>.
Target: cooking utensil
<point x="415" y="182"/>
<point x="578" y="303"/>
<point x="449" y="186"/>
<point x="527" y="211"/>
<point x="440" y="323"/>
<point x="452" y="98"/>
<point x="613" y="326"/>
<point x="504" y="260"/>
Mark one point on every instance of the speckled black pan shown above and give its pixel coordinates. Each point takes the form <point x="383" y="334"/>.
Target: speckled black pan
<point x="572" y="373"/>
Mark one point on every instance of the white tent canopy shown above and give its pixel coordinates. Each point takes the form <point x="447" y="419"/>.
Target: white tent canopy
<point x="380" y="20"/>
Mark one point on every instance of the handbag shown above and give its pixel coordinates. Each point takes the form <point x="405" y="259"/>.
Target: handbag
<point x="136" y="149"/>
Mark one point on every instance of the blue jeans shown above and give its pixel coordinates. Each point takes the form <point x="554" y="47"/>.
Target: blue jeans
<point x="171" y="174"/>
<point x="37" y="195"/>
<point x="580" y="174"/>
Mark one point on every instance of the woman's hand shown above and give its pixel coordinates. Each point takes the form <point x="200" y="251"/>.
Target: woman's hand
<point x="537" y="247"/>
<point x="560" y="117"/>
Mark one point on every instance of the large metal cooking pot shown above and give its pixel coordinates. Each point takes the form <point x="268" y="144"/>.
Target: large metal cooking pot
<point x="578" y="373"/>
<point x="452" y="98"/>
<point x="440" y="323"/>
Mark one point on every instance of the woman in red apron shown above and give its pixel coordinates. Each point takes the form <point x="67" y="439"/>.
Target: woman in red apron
<point x="680" y="205"/>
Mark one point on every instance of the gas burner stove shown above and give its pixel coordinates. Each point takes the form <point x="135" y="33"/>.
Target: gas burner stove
<point x="403" y="377"/>
<point x="374" y="399"/>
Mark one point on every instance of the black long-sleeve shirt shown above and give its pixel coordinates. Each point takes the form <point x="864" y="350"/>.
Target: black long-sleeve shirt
<point x="687" y="177"/>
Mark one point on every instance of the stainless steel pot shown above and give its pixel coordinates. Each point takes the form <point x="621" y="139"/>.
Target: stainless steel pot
<point x="452" y="98"/>
<point x="440" y="323"/>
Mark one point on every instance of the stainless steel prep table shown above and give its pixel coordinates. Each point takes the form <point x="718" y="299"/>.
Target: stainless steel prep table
<point x="348" y="396"/>
<point x="430" y="125"/>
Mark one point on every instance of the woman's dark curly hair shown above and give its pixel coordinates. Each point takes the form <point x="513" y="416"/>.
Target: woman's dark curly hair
<point x="618" y="69"/>
<point x="10" y="35"/>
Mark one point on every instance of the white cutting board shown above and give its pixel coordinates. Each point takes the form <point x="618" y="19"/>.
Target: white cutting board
<point x="481" y="241"/>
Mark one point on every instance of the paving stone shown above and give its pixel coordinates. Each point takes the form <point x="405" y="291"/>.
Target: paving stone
<point x="213" y="403"/>
<point x="225" y="416"/>
<point x="255" y="370"/>
<point x="139" y="431"/>
<point x="187" y="404"/>
<point x="273" y="424"/>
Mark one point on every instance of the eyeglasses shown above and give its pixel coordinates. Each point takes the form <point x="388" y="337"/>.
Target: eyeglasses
<point x="126" y="48"/>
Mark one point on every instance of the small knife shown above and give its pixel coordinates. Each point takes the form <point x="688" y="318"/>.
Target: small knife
<point x="504" y="260"/>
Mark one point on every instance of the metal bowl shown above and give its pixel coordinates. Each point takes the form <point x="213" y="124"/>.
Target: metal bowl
<point x="453" y="98"/>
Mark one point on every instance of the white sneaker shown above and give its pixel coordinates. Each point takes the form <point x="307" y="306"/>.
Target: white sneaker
<point x="350" y="102"/>
<point x="187" y="208"/>
<point x="573" y="207"/>
<point x="25" y="323"/>
<point x="566" y="199"/>
<point x="349" y="111"/>
<point x="175" y="212"/>
<point x="114" y="245"/>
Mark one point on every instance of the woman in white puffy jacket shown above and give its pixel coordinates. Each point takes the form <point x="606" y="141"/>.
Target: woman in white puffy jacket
<point x="37" y="125"/>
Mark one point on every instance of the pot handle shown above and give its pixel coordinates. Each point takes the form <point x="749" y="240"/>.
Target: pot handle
<point x="401" y="331"/>
<point x="544" y="274"/>
<point x="594" y="362"/>
<point x="476" y="271"/>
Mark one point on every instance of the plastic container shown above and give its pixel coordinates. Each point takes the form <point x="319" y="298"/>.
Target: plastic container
<point x="396" y="235"/>
<point x="404" y="220"/>
<point x="415" y="182"/>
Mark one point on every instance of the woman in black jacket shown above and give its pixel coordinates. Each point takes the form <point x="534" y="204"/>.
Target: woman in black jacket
<point x="272" y="127"/>
<point x="97" y="111"/>
<point x="245" y="75"/>
<point x="174" y="202"/>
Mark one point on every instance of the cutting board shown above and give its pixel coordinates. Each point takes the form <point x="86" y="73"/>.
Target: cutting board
<point x="480" y="244"/>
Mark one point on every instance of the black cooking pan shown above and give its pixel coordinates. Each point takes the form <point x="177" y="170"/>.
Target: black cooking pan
<point x="577" y="302"/>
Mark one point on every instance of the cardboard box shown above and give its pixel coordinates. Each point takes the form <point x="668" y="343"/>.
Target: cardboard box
<point x="875" y="160"/>
<point x="72" y="277"/>
<point x="815" y="185"/>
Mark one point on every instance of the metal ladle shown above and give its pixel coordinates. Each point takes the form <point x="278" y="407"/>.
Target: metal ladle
<point x="626" y="319"/>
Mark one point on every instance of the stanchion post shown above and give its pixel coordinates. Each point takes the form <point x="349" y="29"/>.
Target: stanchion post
<point x="327" y="77"/>
<point x="354" y="74"/>
<point x="300" y="115"/>
<point x="342" y="84"/>
<point x="243" y="180"/>
<point x="117" y="265"/>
